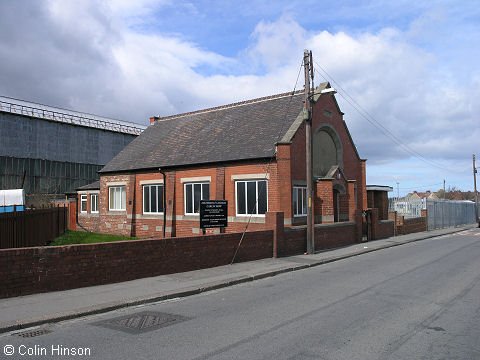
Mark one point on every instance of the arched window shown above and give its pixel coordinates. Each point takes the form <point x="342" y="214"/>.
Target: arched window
<point x="327" y="150"/>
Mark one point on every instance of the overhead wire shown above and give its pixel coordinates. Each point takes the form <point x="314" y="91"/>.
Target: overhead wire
<point x="371" y="119"/>
<point x="417" y="187"/>
<point x="267" y="166"/>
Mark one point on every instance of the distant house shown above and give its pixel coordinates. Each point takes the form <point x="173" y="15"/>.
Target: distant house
<point x="412" y="204"/>
<point x="422" y="195"/>
<point x="250" y="153"/>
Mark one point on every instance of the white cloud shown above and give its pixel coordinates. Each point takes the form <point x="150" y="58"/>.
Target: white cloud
<point x="276" y="44"/>
<point x="128" y="8"/>
<point x="403" y="87"/>
<point x="92" y="57"/>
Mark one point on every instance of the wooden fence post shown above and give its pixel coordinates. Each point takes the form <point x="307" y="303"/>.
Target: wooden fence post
<point x="31" y="227"/>
<point x="58" y="221"/>
<point x="15" y="240"/>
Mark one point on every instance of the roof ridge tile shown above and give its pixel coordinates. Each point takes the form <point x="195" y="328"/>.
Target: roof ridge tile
<point x="228" y="106"/>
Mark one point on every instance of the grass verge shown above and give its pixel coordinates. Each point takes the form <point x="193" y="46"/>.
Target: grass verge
<point x="80" y="237"/>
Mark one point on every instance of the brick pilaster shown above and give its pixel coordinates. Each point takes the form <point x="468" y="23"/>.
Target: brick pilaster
<point x="274" y="221"/>
<point x="351" y="201"/>
<point x="170" y="201"/>
<point x="220" y="183"/>
<point x="375" y="222"/>
<point x="324" y="201"/>
<point x="284" y="181"/>
<point x="358" y="225"/>
<point x="362" y="187"/>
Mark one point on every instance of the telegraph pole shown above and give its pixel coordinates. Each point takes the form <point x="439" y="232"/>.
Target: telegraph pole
<point x="308" y="150"/>
<point x="475" y="189"/>
<point x="443" y="205"/>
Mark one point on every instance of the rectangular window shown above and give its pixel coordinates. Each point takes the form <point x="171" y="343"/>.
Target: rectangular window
<point x="194" y="192"/>
<point x="153" y="199"/>
<point x="117" y="195"/>
<point x="83" y="203"/>
<point x="300" y="201"/>
<point x="94" y="203"/>
<point x="251" y="197"/>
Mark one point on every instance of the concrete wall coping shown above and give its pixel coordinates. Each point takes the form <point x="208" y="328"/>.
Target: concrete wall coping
<point x="337" y="224"/>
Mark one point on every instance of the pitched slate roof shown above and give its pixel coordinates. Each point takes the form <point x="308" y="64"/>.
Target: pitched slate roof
<point x="93" y="186"/>
<point x="240" y="131"/>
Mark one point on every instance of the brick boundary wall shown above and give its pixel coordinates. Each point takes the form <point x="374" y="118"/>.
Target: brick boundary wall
<point x="412" y="225"/>
<point x="329" y="236"/>
<point x="381" y="229"/>
<point x="326" y="236"/>
<point x="409" y="225"/>
<point x="294" y="242"/>
<point x="42" y="269"/>
<point x="385" y="229"/>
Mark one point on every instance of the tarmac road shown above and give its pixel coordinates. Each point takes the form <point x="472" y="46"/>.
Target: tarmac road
<point x="416" y="301"/>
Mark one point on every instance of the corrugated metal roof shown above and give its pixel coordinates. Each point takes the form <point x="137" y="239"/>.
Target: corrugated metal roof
<point x="46" y="112"/>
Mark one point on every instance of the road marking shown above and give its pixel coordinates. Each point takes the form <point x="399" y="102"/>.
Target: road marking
<point x="468" y="233"/>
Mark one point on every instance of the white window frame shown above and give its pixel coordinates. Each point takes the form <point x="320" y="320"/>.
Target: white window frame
<point x="123" y="200"/>
<point x="256" y="181"/>
<point x="94" y="209"/>
<point x="158" y="186"/>
<point x="83" y="199"/>
<point x="300" y="190"/>
<point x="193" y="196"/>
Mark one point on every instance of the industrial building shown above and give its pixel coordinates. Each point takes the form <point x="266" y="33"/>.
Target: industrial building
<point x="51" y="151"/>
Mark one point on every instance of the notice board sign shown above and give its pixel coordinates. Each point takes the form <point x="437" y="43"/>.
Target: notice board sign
<point x="213" y="213"/>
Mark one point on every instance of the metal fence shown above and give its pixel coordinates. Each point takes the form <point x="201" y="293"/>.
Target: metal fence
<point x="440" y="213"/>
<point x="407" y="207"/>
<point x="447" y="213"/>
<point x="32" y="227"/>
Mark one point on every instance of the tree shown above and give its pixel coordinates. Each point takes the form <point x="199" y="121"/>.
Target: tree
<point x="452" y="193"/>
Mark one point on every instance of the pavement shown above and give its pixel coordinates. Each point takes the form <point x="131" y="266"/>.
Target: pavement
<point x="34" y="310"/>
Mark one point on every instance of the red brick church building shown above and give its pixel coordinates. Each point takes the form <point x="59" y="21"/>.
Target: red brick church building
<point x="250" y="153"/>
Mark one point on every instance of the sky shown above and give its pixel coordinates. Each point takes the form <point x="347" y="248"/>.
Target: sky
<point x="406" y="72"/>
